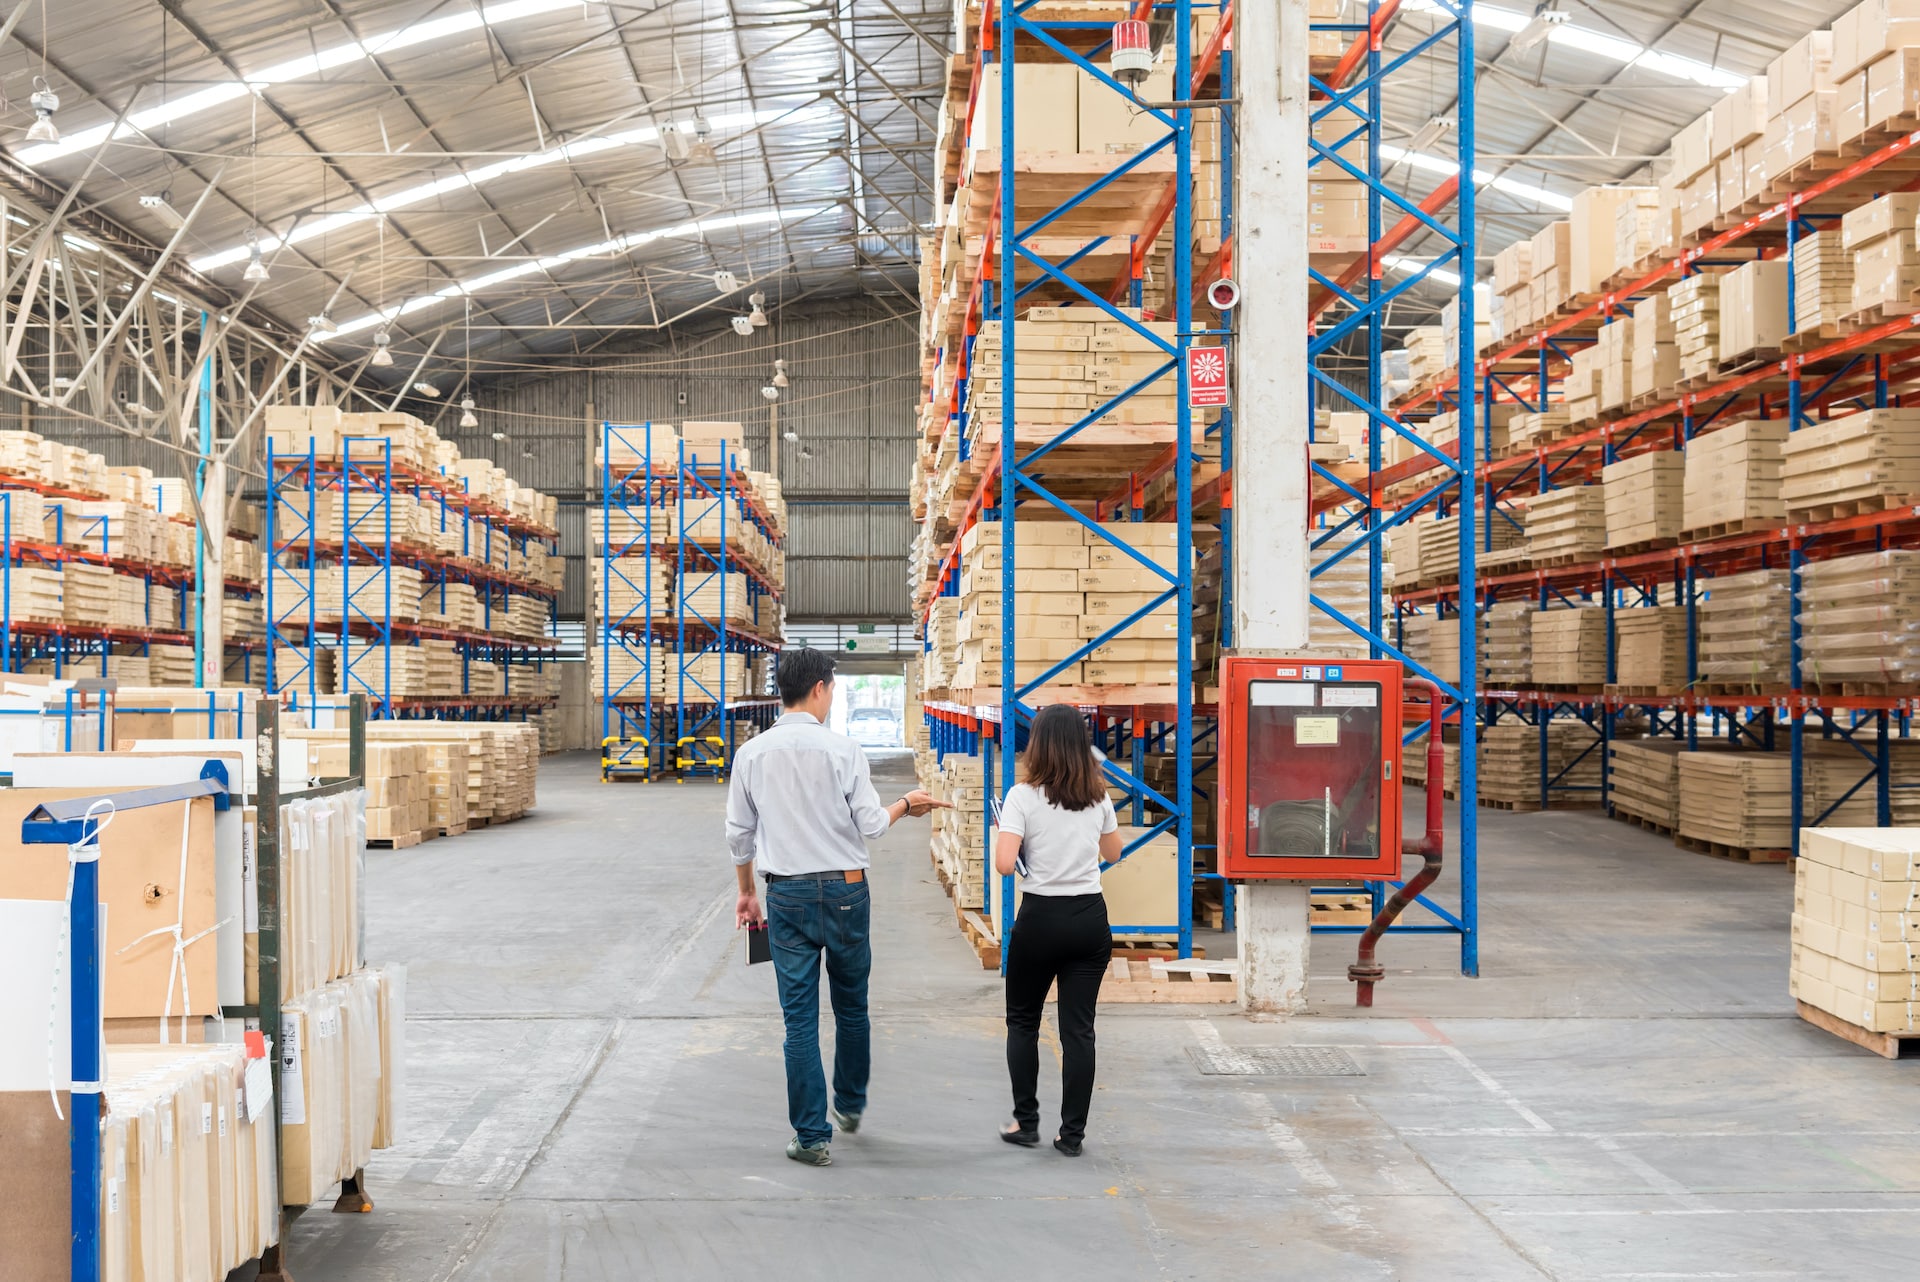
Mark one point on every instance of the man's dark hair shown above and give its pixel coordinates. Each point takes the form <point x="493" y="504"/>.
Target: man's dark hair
<point x="800" y="671"/>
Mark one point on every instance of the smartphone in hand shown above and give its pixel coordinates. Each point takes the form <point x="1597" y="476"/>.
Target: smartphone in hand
<point x="759" y="944"/>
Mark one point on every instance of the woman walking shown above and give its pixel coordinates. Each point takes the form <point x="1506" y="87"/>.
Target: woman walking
<point x="1056" y="829"/>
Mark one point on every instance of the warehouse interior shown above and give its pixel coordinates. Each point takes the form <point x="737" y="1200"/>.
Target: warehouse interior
<point x="1452" y="459"/>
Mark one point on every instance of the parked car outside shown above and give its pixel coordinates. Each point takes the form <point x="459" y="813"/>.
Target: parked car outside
<point x="874" y="728"/>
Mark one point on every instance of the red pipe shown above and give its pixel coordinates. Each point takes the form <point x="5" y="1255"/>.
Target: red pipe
<point x="1366" y="971"/>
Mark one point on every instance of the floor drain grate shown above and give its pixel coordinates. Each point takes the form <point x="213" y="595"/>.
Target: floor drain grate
<point x="1275" y="1061"/>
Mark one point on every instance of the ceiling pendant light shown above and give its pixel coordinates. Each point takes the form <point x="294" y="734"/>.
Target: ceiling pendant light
<point x="743" y="326"/>
<point x="725" y="281"/>
<point x="770" y="392"/>
<point x="256" y="271"/>
<point x="1538" y="28"/>
<point x="44" y="102"/>
<point x="382" y="348"/>
<point x="426" y="389"/>
<point x="758" y="316"/>
<point x="780" y="373"/>
<point x="499" y="436"/>
<point x="322" y="325"/>
<point x="702" y="148"/>
<point x="466" y="413"/>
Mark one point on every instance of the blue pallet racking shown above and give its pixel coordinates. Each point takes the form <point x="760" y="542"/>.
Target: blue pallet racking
<point x="1352" y="518"/>
<point x="685" y="722"/>
<point x="366" y="547"/>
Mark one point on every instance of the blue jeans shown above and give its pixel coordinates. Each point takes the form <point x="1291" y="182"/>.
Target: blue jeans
<point x="806" y="919"/>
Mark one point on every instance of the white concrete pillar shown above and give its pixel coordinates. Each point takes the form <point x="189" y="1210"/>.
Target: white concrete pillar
<point x="1271" y="427"/>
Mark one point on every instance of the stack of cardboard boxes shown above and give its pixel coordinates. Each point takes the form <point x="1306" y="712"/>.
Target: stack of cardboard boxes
<point x="1567" y="525"/>
<point x="1886" y="260"/>
<point x="1695" y="310"/>
<point x="1743" y="629"/>
<point x="1856" y="926"/>
<point x="1650" y="647"/>
<point x="1854" y="462"/>
<point x="1857" y="618"/>
<point x="1644" y="499"/>
<point x="1732" y="478"/>
<point x="1569" y="646"/>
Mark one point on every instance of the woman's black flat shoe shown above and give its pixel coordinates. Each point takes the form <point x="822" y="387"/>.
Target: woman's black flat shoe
<point x="1070" y="1147"/>
<point x="1014" y="1133"/>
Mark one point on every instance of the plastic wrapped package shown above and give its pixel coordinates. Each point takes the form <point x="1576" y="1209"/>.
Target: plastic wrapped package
<point x="1860" y="618"/>
<point x="324" y="849"/>
<point x="1742" y="628"/>
<point x="1509" y="648"/>
<point x="341" y="1046"/>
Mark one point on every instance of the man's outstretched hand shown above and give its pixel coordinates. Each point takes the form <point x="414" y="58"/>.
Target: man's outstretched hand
<point x="746" y="910"/>
<point x="920" y="802"/>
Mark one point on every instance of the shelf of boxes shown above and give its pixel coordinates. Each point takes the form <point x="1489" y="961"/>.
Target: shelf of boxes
<point x="1728" y="358"/>
<point x="688" y="580"/>
<point x="1120" y="472"/>
<point x="97" y="566"/>
<point x="404" y="572"/>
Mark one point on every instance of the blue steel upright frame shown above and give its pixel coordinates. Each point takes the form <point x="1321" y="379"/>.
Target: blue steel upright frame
<point x="1449" y="261"/>
<point x="702" y="483"/>
<point x="1020" y="477"/>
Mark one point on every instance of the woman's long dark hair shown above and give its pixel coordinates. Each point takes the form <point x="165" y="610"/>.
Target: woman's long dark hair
<point x="1060" y="759"/>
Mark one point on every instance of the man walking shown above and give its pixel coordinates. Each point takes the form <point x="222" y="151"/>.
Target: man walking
<point x="802" y="803"/>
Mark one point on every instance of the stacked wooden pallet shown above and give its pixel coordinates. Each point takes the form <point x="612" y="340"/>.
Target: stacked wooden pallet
<point x="1856" y="946"/>
<point x="1643" y="782"/>
<point x="1857" y="463"/>
<point x="1738" y="804"/>
<point x="1733" y="478"/>
<point x="1857" y="619"/>
<point x="1569" y="646"/>
<point x="1509" y="648"/>
<point x="1644" y="500"/>
<point x="1566" y="525"/>
<point x="1822" y="282"/>
<point x="1743" y="630"/>
<point x="1650" y="648"/>
<point x="1696" y="324"/>
<point x="1510" y="765"/>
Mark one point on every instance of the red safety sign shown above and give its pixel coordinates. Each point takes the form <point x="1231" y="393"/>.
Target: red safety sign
<point x="1207" y="377"/>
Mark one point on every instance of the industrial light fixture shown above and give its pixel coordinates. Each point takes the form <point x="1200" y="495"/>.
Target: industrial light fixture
<point x="499" y="436"/>
<point x="1538" y="28"/>
<point x="702" y="148"/>
<point x="674" y="142"/>
<point x="758" y="316"/>
<point x="162" y="207"/>
<point x="725" y="281"/>
<point x="1132" y="57"/>
<point x="322" y="325"/>
<point x="256" y="266"/>
<point x="427" y="389"/>
<point x="779" y="373"/>
<point x="466" y="413"/>
<point x="770" y="392"/>
<point x="382" y="348"/>
<point x="44" y="102"/>
<point x="526" y="451"/>
<point x="1432" y="132"/>
<point x="790" y="436"/>
<point x="743" y="326"/>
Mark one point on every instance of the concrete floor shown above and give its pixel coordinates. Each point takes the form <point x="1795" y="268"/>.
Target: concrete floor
<point x="594" y="1087"/>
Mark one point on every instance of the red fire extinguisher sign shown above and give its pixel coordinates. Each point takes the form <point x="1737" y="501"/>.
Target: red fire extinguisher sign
<point x="1207" y="377"/>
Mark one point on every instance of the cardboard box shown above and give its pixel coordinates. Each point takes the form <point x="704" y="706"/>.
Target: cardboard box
<point x="1893" y="90"/>
<point x="1112" y="124"/>
<point x="1591" y="232"/>
<point x="1553" y="247"/>
<point x="1850" y="108"/>
<point x="1802" y="70"/>
<point x="1740" y="117"/>
<point x="1753" y="309"/>
<point x="1046" y="113"/>
<point x="1865" y="32"/>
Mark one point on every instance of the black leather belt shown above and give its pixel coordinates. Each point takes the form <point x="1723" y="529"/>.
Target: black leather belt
<point x="836" y="874"/>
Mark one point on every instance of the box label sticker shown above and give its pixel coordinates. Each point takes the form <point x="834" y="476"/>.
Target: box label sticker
<point x="206" y="1119"/>
<point x="1350" y="696"/>
<point x="1316" y="732"/>
<point x="293" y="1090"/>
<point x="258" y="1089"/>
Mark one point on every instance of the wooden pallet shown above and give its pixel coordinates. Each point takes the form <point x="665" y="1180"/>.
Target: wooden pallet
<point x="1645" y="692"/>
<point x="448" y="830"/>
<point x="1740" y="689"/>
<point x="979" y="937"/>
<point x="1853" y="507"/>
<point x="1886" y="1045"/>
<point x="1641" y="821"/>
<point x="1738" y="854"/>
<point x="404" y="842"/>
<point x="1642" y="545"/>
<point x="1724" y="529"/>
<point x="1530" y="804"/>
<point x="1142" y="980"/>
<point x="1856" y="689"/>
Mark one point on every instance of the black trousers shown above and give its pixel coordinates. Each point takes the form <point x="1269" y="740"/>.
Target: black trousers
<point x="1063" y="938"/>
